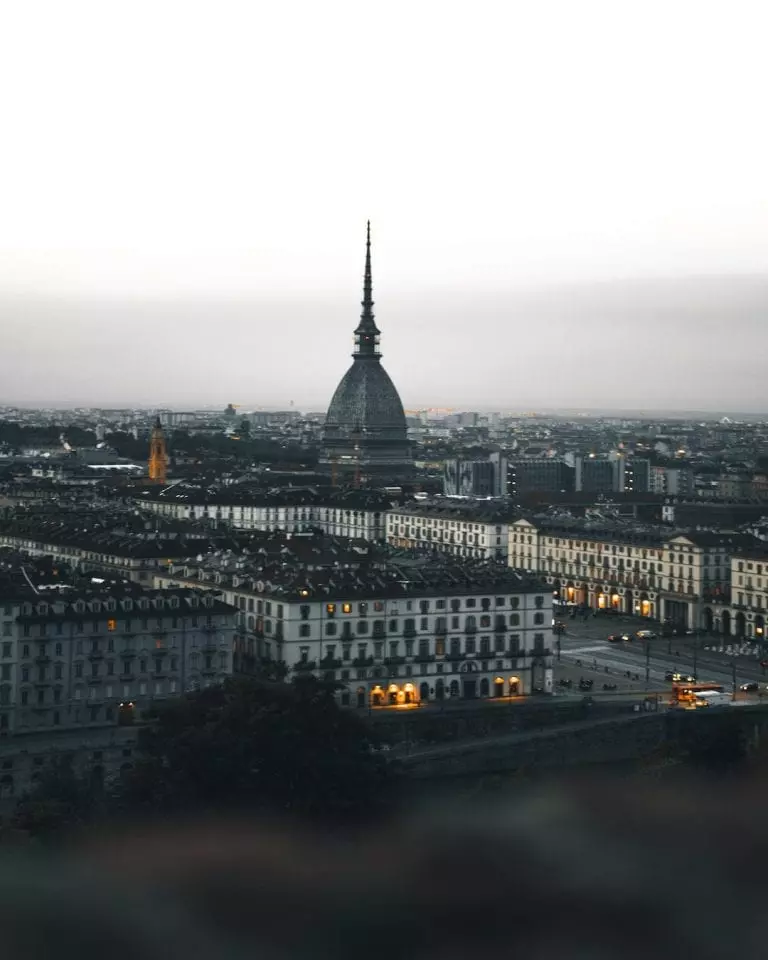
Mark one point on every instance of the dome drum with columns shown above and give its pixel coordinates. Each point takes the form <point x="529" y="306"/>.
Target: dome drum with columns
<point x="365" y="425"/>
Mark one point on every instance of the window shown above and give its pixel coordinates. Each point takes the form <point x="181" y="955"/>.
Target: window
<point x="6" y="671"/>
<point x="6" y="650"/>
<point x="24" y="698"/>
<point x="539" y="602"/>
<point x="25" y="650"/>
<point x="514" y="602"/>
<point x="305" y="629"/>
<point x="330" y="609"/>
<point x="538" y="618"/>
<point x="57" y="672"/>
<point x="346" y="607"/>
<point x="7" y="628"/>
<point x="514" y="619"/>
<point x="58" y="650"/>
<point x="362" y="626"/>
<point x="304" y="611"/>
<point x="330" y="629"/>
<point x="471" y="602"/>
<point x="111" y="625"/>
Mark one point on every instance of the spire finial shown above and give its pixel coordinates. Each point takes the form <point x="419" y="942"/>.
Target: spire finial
<point x="366" y="335"/>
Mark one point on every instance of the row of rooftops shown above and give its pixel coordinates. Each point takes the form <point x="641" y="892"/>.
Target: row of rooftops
<point x="113" y="602"/>
<point x="656" y="537"/>
<point x="369" y="500"/>
<point x="429" y="578"/>
<point x="480" y="512"/>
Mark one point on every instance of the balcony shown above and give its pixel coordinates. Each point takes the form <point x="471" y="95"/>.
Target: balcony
<point x="95" y="655"/>
<point x="362" y="662"/>
<point x="394" y="661"/>
<point x="209" y="628"/>
<point x="409" y="632"/>
<point x="500" y="628"/>
<point x="470" y="629"/>
<point x="424" y="658"/>
<point x="43" y="658"/>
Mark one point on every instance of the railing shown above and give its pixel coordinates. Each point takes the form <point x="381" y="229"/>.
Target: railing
<point x="424" y="658"/>
<point x="394" y="661"/>
<point x="362" y="662"/>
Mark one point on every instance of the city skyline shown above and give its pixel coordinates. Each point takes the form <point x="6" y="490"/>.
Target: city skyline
<point x="555" y="223"/>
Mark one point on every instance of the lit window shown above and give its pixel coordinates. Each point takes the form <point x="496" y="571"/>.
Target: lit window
<point x="330" y="608"/>
<point x="346" y="607"/>
<point x="111" y="625"/>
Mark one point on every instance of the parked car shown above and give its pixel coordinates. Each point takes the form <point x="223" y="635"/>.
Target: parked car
<point x="586" y="684"/>
<point x="752" y="686"/>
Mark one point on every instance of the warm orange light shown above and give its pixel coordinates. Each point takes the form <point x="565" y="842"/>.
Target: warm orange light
<point x="409" y="687"/>
<point x="514" y="679"/>
<point x="499" y="680"/>
<point x="346" y="607"/>
<point x="111" y="625"/>
<point x="393" y="688"/>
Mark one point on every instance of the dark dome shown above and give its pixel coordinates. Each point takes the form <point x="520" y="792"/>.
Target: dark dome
<point x="366" y="399"/>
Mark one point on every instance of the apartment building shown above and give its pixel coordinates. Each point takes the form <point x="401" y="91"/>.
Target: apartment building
<point x="353" y="514"/>
<point x="424" y="630"/>
<point x="470" y="530"/>
<point x="589" y="567"/>
<point x="681" y="577"/>
<point x="74" y="658"/>
<point x="747" y="612"/>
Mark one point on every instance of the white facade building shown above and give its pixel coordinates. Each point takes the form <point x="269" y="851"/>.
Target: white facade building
<point x="477" y="535"/>
<point x="355" y="517"/>
<point x="398" y="635"/>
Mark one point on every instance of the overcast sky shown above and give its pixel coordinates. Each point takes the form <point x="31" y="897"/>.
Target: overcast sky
<point x="569" y="201"/>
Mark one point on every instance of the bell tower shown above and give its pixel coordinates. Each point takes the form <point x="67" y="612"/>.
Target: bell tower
<point x="158" y="457"/>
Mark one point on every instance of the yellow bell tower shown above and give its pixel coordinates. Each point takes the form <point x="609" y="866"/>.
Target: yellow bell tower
<point x="158" y="457"/>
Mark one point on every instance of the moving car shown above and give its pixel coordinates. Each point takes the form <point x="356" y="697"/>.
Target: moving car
<point x="645" y="634"/>
<point x="751" y="686"/>
<point x="679" y="677"/>
<point x="618" y="637"/>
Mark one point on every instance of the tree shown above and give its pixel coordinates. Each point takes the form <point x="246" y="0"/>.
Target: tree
<point x="61" y="801"/>
<point x="258" y="746"/>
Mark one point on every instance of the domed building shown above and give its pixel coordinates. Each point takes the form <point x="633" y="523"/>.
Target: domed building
<point x="365" y="430"/>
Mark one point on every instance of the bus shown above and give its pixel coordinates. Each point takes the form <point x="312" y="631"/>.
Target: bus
<point x="693" y="695"/>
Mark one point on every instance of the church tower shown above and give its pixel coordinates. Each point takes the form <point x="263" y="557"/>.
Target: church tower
<point x="365" y="428"/>
<point x="158" y="457"/>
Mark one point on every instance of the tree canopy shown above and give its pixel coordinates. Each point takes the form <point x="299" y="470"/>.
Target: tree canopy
<point x="284" y="748"/>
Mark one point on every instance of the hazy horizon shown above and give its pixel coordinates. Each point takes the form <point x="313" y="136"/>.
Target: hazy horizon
<point x="568" y="203"/>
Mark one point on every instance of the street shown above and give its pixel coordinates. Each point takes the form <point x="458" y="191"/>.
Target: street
<point x="586" y="652"/>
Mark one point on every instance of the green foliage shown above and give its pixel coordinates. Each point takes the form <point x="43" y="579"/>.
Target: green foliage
<point x="259" y="746"/>
<point x="61" y="801"/>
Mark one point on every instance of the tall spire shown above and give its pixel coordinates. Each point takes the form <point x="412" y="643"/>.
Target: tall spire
<point x="367" y="333"/>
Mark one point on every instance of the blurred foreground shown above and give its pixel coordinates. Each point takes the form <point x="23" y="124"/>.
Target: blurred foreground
<point x="583" y="868"/>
